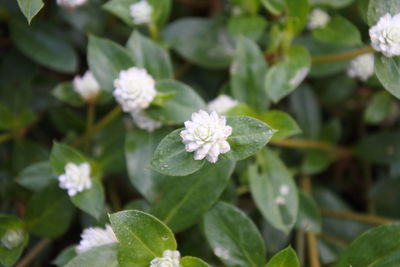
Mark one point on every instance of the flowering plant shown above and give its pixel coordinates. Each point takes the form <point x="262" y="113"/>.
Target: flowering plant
<point x="195" y="133"/>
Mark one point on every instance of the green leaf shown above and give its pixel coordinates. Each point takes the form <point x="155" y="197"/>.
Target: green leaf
<point x="251" y="27"/>
<point x="247" y="67"/>
<point x="268" y="186"/>
<point x="379" y="107"/>
<point x="282" y="122"/>
<point x="161" y="11"/>
<point x="338" y="31"/>
<point x="308" y="218"/>
<point x="284" y="258"/>
<point x="192" y="262"/>
<point x="30" y="8"/>
<point x="36" y="176"/>
<point x="373" y="247"/>
<point x="101" y="256"/>
<point x="305" y="107"/>
<point x="49" y="212"/>
<point x="286" y="76"/>
<point x="14" y="120"/>
<point x="329" y="3"/>
<point x="201" y="41"/>
<point x="106" y="59"/>
<point x="248" y="136"/>
<point x="378" y="8"/>
<point x="171" y="157"/>
<point x="65" y="256"/>
<point x="316" y="161"/>
<point x="233" y="236"/>
<point x="383" y="148"/>
<point x="387" y="69"/>
<point x="91" y="200"/>
<point x="201" y="190"/>
<point x="276" y="7"/>
<point x="297" y="15"/>
<point x="63" y="154"/>
<point x="179" y="107"/>
<point x="9" y="256"/>
<point x="142" y="237"/>
<point x="139" y="149"/>
<point x="149" y="55"/>
<point x="44" y="44"/>
<point x="65" y="92"/>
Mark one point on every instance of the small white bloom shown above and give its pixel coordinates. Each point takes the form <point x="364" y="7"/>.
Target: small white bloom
<point x="280" y="200"/>
<point x="222" y="104"/>
<point x="284" y="189"/>
<point x="205" y="135"/>
<point x="141" y="12"/>
<point x="361" y="67"/>
<point x="12" y="238"/>
<point x="76" y="178"/>
<point x="134" y="89"/>
<point x="144" y="122"/>
<point x="170" y="258"/>
<point x="318" y="19"/>
<point x="385" y="35"/>
<point x="86" y="86"/>
<point x="71" y="4"/>
<point x="95" y="236"/>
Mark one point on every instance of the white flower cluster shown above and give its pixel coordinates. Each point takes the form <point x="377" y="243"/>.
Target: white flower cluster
<point x="86" y="86"/>
<point x="71" y="4"/>
<point x="141" y="12"/>
<point x="206" y="135"/>
<point x="283" y="192"/>
<point x="318" y="19"/>
<point x="134" y="89"/>
<point x="170" y="258"/>
<point x="95" y="236"/>
<point x="222" y="104"/>
<point x="12" y="238"/>
<point x="76" y="178"/>
<point x="385" y="35"/>
<point x="144" y="122"/>
<point x="361" y="67"/>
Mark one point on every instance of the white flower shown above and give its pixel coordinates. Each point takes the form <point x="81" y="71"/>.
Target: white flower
<point x="170" y="258"/>
<point x="318" y="19"/>
<point x="284" y="189"/>
<point x="206" y="135"/>
<point x="134" y="89"/>
<point x="222" y="104"/>
<point x="385" y="35"/>
<point x="144" y="122"/>
<point x="76" y="178"/>
<point x="70" y="4"/>
<point x="141" y="12"/>
<point x="86" y="86"/>
<point x="95" y="236"/>
<point x="12" y="238"/>
<point x="362" y="67"/>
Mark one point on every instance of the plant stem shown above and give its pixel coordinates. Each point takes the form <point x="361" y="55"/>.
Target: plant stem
<point x="42" y="244"/>
<point x="343" y="56"/>
<point x="5" y="137"/>
<point x="91" y="111"/>
<point x="153" y="31"/>
<point x="311" y="144"/>
<point x="371" y="219"/>
<point x="110" y="116"/>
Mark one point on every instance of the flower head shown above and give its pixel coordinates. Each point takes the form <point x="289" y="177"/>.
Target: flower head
<point x="385" y="35"/>
<point x="206" y="135"/>
<point x="134" y="89"/>
<point x="362" y="67"/>
<point x="318" y="19"/>
<point x="222" y="104"/>
<point x="144" y="122"/>
<point x="76" y="178"/>
<point x="170" y="258"/>
<point x="12" y="238"/>
<point x="141" y="12"/>
<point x="86" y="86"/>
<point x="95" y="236"/>
<point x="71" y="4"/>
